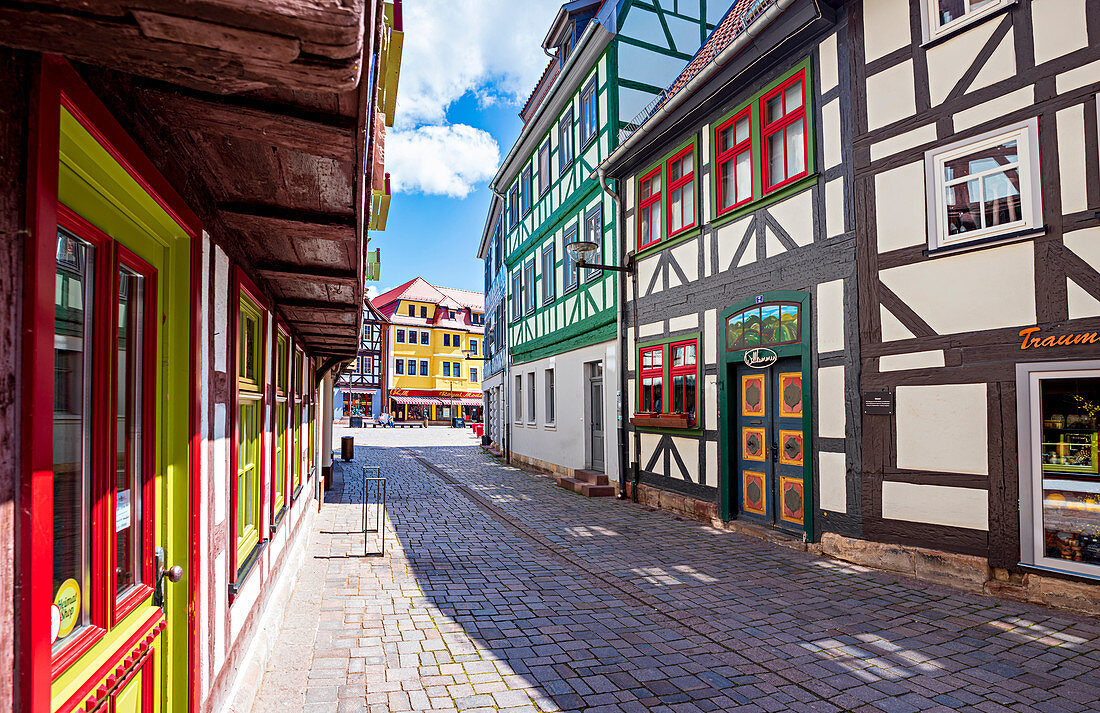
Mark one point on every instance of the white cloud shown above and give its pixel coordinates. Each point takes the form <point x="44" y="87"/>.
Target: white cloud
<point x="372" y="292"/>
<point x="440" y="159"/>
<point x="492" y="48"/>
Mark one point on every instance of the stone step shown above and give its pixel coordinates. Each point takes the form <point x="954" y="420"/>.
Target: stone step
<point x="591" y="490"/>
<point x="590" y="476"/>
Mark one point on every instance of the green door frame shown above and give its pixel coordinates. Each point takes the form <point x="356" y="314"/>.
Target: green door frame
<point x="727" y="407"/>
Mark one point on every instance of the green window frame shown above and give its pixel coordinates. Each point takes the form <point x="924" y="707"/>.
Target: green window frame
<point x="282" y="377"/>
<point x="778" y="117"/>
<point x="250" y="321"/>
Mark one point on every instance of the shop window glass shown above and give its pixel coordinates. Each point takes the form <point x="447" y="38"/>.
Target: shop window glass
<point x="763" y="326"/>
<point x="72" y="495"/>
<point x="129" y="434"/>
<point x="1070" y="473"/>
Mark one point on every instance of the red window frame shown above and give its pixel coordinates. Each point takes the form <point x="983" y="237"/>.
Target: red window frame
<point x="644" y="208"/>
<point x="729" y="155"/>
<point x="297" y="398"/>
<point x="682" y="181"/>
<point x="277" y="396"/>
<point x="242" y="285"/>
<point x="769" y="128"/>
<point x="649" y="373"/>
<point x="674" y="371"/>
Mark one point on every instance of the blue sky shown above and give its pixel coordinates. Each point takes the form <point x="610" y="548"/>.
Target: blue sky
<point x="464" y="77"/>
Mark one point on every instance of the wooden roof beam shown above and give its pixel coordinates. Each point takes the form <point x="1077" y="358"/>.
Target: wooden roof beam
<point x="319" y="306"/>
<point x="295" y="224"/>
<point x="301" y="273"/>
<point x="314" y="133"/>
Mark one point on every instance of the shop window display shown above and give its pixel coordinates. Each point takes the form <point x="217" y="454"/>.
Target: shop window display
<point x="1071" y="478"/>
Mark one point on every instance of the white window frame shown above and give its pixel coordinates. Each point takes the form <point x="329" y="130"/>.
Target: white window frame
<point x="544" y="167"/>
<point x="1028" y="423"/>
<point x="531" y="399"/>
<point x="548" y="386"/>
<point x="530" y="300"/>
<point x="518" y="401"/>
<point x="1026" y="134"/>
<point x="933" y="30"/>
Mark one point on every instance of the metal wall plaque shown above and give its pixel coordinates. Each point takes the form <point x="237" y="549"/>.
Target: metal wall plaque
<point x="878" y="403"/>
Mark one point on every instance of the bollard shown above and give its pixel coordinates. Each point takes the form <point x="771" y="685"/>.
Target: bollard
<point x="347" y="448"/>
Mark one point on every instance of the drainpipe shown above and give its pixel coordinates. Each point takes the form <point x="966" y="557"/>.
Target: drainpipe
<point x="624" y="397"/>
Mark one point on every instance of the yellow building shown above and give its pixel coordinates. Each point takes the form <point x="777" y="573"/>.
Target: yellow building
<point x="435" y="350"/>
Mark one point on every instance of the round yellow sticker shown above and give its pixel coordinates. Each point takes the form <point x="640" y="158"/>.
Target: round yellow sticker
<point x="68" y="603"/>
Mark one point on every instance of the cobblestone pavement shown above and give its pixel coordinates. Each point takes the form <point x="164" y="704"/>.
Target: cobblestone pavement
<point x="502" y="592"/>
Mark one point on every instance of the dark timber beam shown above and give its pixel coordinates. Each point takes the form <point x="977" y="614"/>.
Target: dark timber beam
<point x="262" y="122"/>
<point x="301" y="273"/>
<point x="295" y="224"/>
<point x="319" y="306"/>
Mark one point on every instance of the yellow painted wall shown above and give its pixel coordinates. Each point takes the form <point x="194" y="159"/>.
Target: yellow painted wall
<point x="436" y="354"/>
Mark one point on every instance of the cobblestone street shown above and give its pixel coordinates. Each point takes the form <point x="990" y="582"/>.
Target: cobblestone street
<point x="500" y="592"/>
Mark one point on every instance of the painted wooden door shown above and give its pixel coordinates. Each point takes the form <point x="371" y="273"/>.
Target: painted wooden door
<point x="768" y="441"/>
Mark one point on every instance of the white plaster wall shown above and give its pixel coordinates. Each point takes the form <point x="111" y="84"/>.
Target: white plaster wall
<point x="729" y="237"/>
<point x="832" y="489"/>
<point x="942" y="428"/>
<point x="885" y="27"/>
<point x="710" y="336"/>
<point x="949" y="59"/>
<point x="834" y="207"/>
<point x="831" y="403"/>
<point x="1081" y="76"/>
<point x="890" y="95"/>
<point x="900" y="220"/>
<point x="892" y="329"/>
<point x="1085" y="244"/>
<point x="1058" y="28"/>
<point x="903" y="142"/>
<point x="986" y="289"/>
<point x="564" y="444"/>
<point x="687" y="321"/>
<point x="1072" y="169"/>
<point x="796" y="215"/>
<point x="830" y="316"/>
<point x="828" y="70"/>
<point x="994" y="108"/>
<point x="830" y="133"/>
<point x="911" y="360"/>
<point x="936" y="505"/>
<point x="687" y="257"/>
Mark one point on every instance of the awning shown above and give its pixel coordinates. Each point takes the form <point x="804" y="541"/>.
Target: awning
<point x="414" y="401"/>
<point x="461" y="402"/>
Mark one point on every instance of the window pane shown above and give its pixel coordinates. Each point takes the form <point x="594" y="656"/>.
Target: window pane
<point x="951" y="10"/>
<point x="689" y="203"/>
<point x="1070" y="476"/>
<point x="735" y="332"/>
<point x="725" y="138"/>
<point x="129" y="444"/>
<point x="675" y="170"/>
<point x="792" y="97"/>
<point x="776" y="159"/>
<point x="675" y="210"/>
<point x="744" y="176"/>
<point x="752" y="329"/>
<point x="741" y="129"/>
<point x="789" y="327"/>
<point x="678" y="394"/>
<point x="1001" y="195"/>
<point x="796" y="148"/>
<point x="769" y="326"/>
<point x="963" y="207"/>
<point x="71" y="433"/>
<point x="773" y="109"/>
<point x="686" y="164"/>
<point x="689" y="393"/>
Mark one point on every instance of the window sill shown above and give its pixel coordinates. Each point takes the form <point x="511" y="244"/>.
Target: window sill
<point x="551" y="426"/>
<point x="664" y="420"/>
<point x="247" y="568"/>
<point x="986" y="242"/>
<point x="278" y="519"/>
<point x="979" y="17"/>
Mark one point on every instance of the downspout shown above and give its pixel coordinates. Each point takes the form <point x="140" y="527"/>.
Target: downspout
<point x="624" y="396"/>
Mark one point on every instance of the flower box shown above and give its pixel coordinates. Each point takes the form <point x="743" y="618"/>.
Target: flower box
<point x="662" y="420"/>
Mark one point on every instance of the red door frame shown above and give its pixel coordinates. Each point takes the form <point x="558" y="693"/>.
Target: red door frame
<point x="57" y="85"/>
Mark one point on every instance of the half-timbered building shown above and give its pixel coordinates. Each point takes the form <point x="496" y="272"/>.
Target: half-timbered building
<point x="494" y="380"/>
<point x="978" y="184"/>
<point x="739" y="320"/>
<point x="183" y="209"/>
<point x="361" y="384"/>
<point x="610" y="59"/>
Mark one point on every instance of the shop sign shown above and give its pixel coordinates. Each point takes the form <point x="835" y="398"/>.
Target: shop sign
<point x="67" y="602"/>
<point x="1062" y="340"/>
<point x="878" y="403"/>
<point x="760" y="358"/>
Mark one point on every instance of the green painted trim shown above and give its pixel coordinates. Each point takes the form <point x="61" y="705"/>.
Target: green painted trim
<point x="583" y="193"/>
<point x="664" y="24"/>
<point x="757" y="151"/>
<point x="662" y="163"/>
<point x="725" y="405"/>
<point x="666" y="244"/>
<point x="588" y="335"/>
<point x="666" y="361"/>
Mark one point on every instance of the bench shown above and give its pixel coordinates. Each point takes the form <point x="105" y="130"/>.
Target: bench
<point x="401" y="424"/>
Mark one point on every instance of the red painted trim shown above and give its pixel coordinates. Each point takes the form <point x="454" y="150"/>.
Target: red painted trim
<point x="35" y="516"/>
<point x="86" y="108"/>
<point x="126" y="648"/>
<point x="683" y="180"/>
<point x="281" y="331"/>
<point x="194" y="613"/>
<point x="769" y="128"/>
<point x="644" y="373"/>
<point x="674" y="371"/>
<point x="730" y="154"/>
<point x="643" y="204"/>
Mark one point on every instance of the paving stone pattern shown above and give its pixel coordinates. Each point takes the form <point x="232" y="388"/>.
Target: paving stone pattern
<point x="502" y="592"/>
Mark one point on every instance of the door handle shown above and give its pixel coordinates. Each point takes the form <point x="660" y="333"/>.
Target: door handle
<point x="172" y="574"/>
<point x="775" y="451"/>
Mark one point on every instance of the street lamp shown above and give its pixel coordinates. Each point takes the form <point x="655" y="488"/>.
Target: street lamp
<point x="584" y="250"/>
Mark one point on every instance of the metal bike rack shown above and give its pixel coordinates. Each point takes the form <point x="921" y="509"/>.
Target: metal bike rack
<point x="375" y="484"/>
